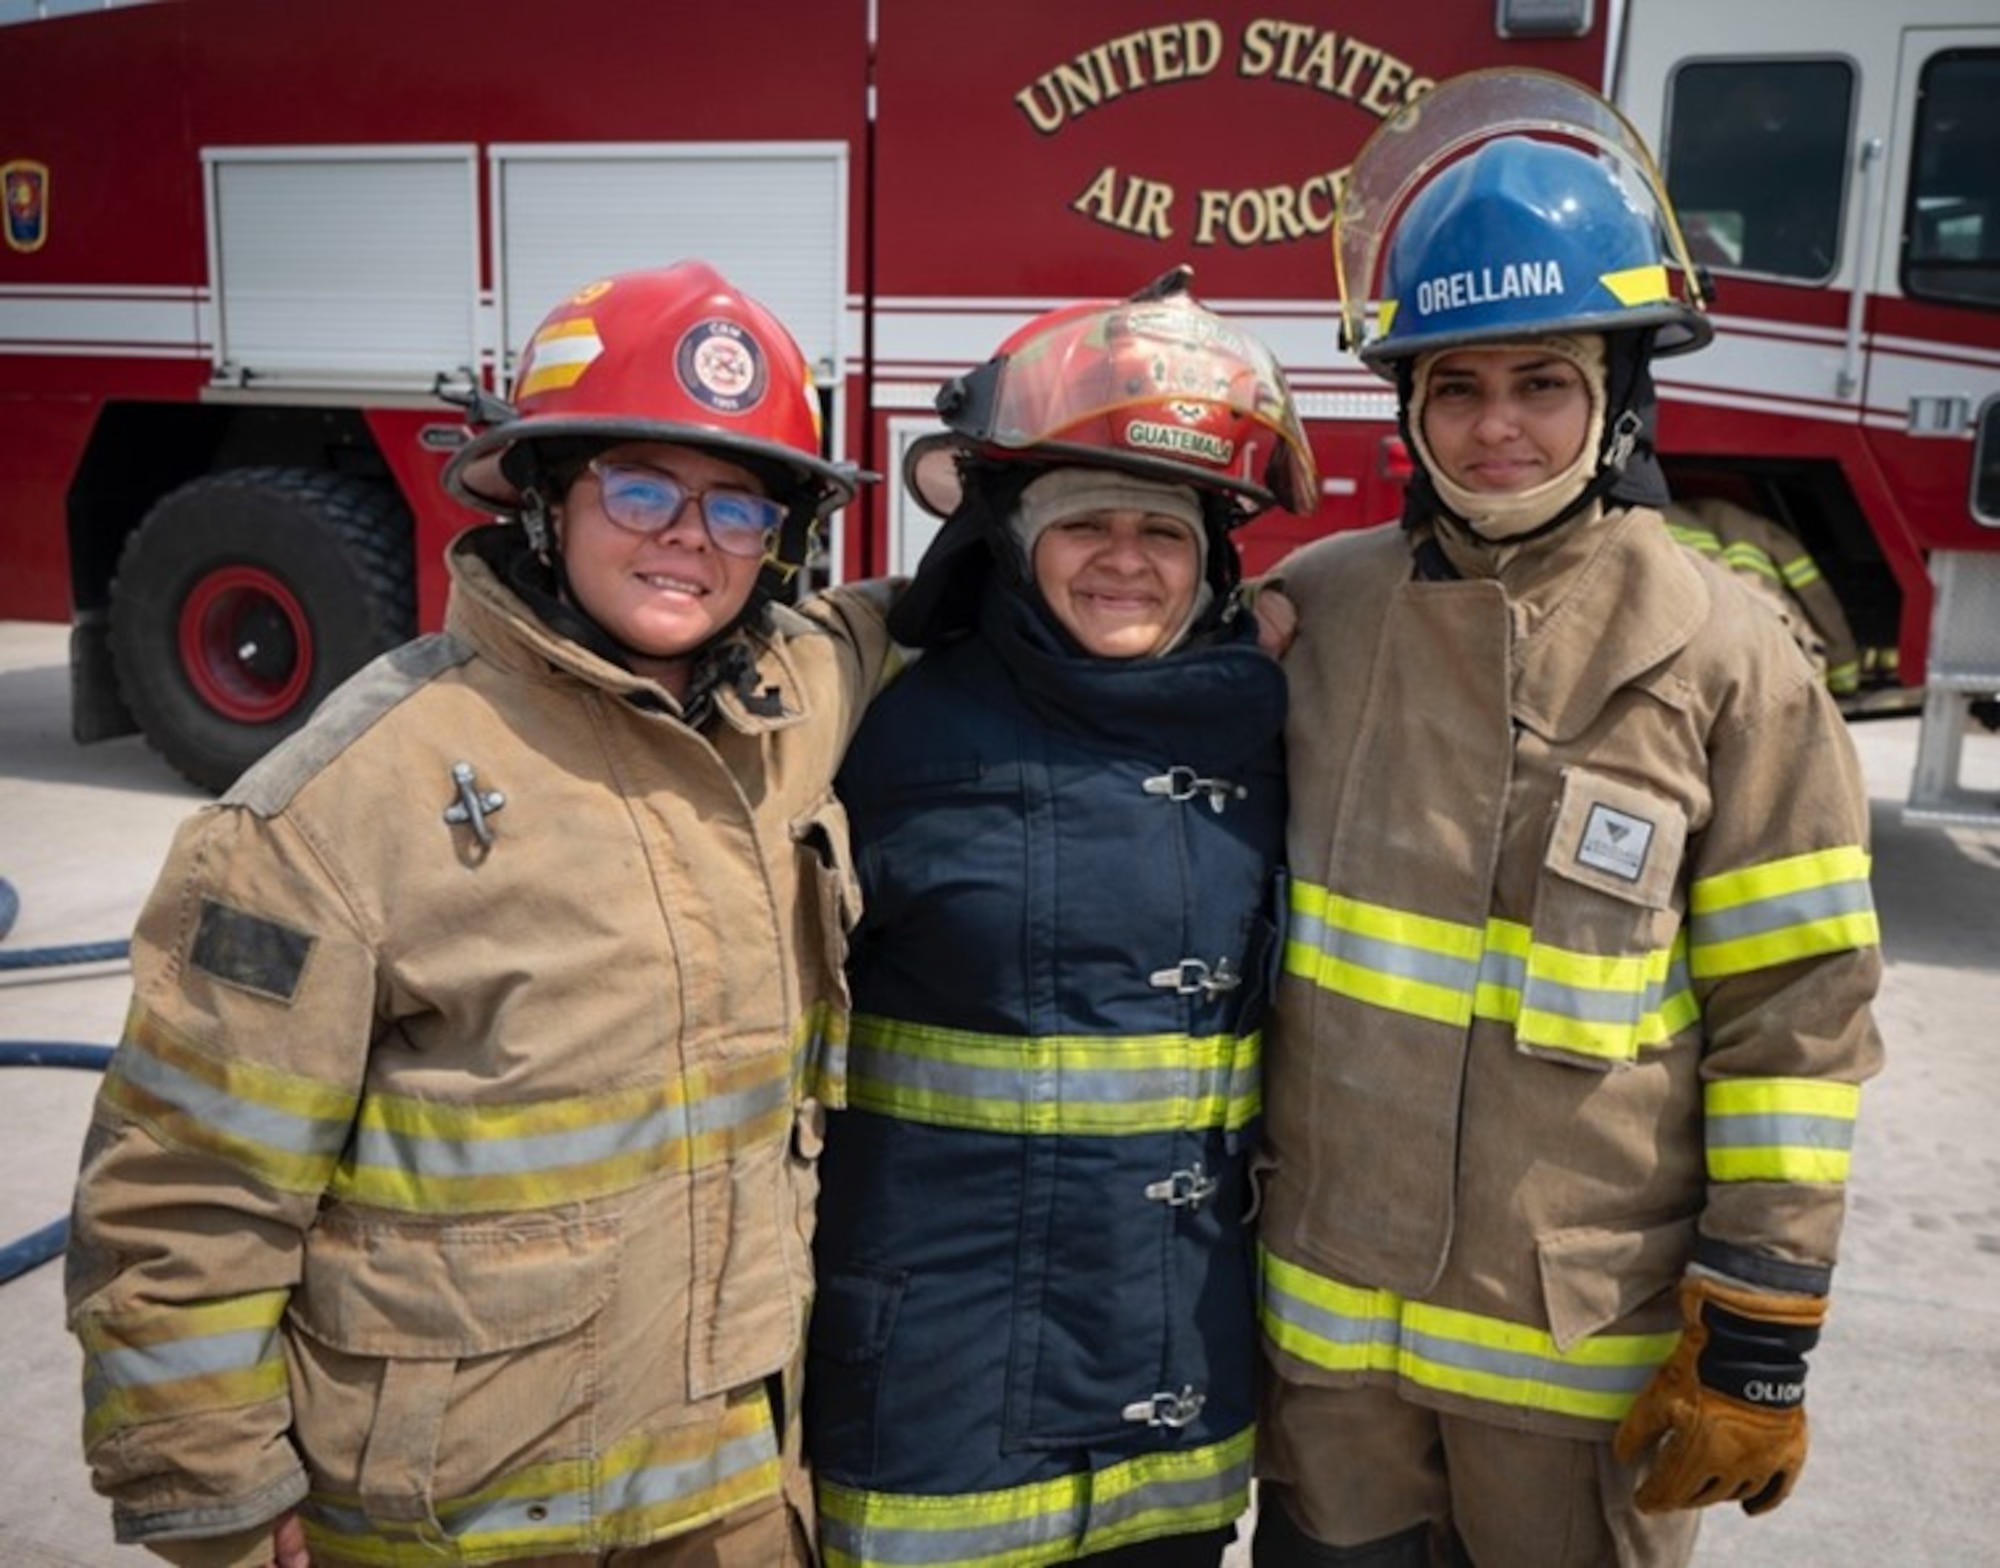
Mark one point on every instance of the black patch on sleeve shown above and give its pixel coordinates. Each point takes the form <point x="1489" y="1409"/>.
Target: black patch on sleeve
<point x="248" y="951"/>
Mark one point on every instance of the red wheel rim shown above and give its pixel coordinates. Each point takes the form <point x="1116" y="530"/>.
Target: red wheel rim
<point x="245" y="644"/>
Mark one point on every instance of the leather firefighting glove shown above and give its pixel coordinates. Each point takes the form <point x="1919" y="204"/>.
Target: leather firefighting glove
<point x="1727" y="1408"/>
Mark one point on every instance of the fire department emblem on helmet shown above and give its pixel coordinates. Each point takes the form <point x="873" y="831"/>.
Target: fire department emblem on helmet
<point x="24" y="190"/>
<point x="722" y="366"/>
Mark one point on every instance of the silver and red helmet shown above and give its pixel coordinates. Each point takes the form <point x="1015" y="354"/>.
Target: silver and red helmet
<point x="1157" y="384"/>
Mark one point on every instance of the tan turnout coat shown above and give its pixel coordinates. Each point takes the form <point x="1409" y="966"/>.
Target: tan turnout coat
<point x="1578" y="972"/>
<point x="467" y="1184"/>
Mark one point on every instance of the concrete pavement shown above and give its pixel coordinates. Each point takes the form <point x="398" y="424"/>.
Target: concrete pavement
<point x="1904" y="1391"/>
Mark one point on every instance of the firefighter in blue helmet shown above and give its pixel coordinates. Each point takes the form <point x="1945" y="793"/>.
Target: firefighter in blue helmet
<point x="1567" y="1051"/>
<point x="1035" y="1338"/>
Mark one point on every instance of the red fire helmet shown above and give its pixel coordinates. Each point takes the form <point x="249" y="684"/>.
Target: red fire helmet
<point x="671" y="353"/>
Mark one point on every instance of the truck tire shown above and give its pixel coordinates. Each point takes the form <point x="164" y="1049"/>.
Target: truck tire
<point x="244" y="597"/>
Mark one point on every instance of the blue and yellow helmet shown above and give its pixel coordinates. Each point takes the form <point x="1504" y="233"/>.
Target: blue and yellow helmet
<point x="1526" y="237"/>
<point x="1505" y="205"/>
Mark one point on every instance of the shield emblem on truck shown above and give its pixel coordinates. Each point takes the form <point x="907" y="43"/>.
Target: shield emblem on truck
<point x="24" y="188"/>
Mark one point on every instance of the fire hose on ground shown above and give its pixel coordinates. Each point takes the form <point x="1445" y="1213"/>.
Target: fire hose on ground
<point x="38" y="1246"/>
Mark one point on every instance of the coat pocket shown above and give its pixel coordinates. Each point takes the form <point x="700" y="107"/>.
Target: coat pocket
<point x="852" y="1324"/>
<point x="428" y="1358"/>
<point x="1594" y="1276"/>
<point x="1597" y="977"/>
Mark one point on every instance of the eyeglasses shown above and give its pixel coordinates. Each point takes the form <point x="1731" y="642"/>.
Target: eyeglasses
<point x="649" y="502"/>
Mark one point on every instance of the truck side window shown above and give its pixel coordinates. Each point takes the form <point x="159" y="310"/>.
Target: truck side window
<point x="1757" y="161"/>
<point x="1986" y="465"/>
<point x="1951" y="228"/>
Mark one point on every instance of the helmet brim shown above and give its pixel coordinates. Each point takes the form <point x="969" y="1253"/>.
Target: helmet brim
<point x="475" y="475"/>
<point x="1676" y="330"/>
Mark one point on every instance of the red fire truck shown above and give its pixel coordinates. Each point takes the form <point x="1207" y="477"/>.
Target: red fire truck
<point x="251" y="248"/>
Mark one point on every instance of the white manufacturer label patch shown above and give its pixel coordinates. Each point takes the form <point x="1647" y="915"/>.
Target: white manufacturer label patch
<point x="1615" y="842"/>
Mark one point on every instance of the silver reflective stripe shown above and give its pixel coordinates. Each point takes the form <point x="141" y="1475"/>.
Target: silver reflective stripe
<point x="171" y="1360"/>
<point x="1042" y="1522"/>
<point x="1773" y="1129"/>
<point x="1416" y="1347"/>
<point x="264" y="1125"/>
<point x="1388" y="958"/>
<point x="1781" y="912"/>
<point x="415" y="1155"/>
<point x="1034" y="1081"/>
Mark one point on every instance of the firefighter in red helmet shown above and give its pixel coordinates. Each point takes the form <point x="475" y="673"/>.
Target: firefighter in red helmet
<point x="1568" y="1050"/>
<point x="442" y="1202"/>
<point x="1035" y="1338"/>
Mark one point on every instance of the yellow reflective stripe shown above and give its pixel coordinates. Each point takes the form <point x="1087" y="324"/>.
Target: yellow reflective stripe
<point x="645" y="1487"/>
<point x="823" y="1064"/>
<point x="1179" y="1491"/>
<point x="285" y="1130"/>
<point x="1702" y="541"/>
<point x="1389" y="958"/>
<point x="1090" y="1085"/>
<point x="1801" y="571"/>
<point x="1804" y="906"/>
<point x="1607" y="1006"/>
<point x="1780" y="1129"/>
<point x="165" y="1361"/>
<point x="1636" y="285"/>
<point x="423" y="1156"/>
<point x="1743" y="556"/>
<point x="1345" y="1328"/>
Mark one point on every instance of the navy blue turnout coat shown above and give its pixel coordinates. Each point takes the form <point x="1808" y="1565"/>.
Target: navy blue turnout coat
<point x="1035" y="1328"/>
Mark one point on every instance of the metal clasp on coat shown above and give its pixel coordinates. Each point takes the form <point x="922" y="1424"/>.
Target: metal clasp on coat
<point x="1185" y="1188"/>
<point x="1179" y="783"/>
<point x="473" y="805"/>
<point x="1191" y="976"/>
<point x="1175" y="1410"/>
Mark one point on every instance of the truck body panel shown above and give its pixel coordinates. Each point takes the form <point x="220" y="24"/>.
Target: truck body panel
<point x="206" y="273"/>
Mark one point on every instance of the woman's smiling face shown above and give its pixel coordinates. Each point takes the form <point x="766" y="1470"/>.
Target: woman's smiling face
<point x="663" y="595"/>
<point x="1121" y="581"/>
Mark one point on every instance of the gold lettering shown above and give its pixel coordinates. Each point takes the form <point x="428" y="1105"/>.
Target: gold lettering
<point x="1155" y="198"/>
<point x="1268" y="215"/>
<point x="1127" y="51"/>
<point x="1391" y="89"/>
<point x="1254" y="58"/>
<point x="1043" y="112"/>
<point x="1078" y="85"/>
<point x="1322" y="60"/>
<point x="1297" y="36"/>
<point x="1130" y="202"/>
<point x="1319" y="200"/>
<point x="1317" y="67"/>
<point x="1358" y="55"/>
<point x="1108" y="70"/>
<point x="1281" y="216"/>
<point x="1210" y="206"/>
